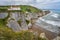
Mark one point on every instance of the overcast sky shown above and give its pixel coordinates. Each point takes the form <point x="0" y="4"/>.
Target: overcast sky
<point x="43" y="4"/>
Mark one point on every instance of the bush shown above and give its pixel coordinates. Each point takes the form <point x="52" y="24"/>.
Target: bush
<point x="24" y="35"/>
<point x="7" y="34"/>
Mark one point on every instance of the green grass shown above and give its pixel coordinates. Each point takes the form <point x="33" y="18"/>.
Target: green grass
<point x="24" y="8"/>
<point x="3" y="25"/>
<point x="30" y="9"/>
<point x="8" y="34"/>
<point x="3" y="22"/>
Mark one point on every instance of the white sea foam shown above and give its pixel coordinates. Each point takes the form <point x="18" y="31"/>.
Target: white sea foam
<point x="50" y="22"/>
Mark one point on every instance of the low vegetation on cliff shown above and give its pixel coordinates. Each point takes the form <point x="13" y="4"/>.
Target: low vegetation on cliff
<point x="24" y="8"/>
<point x="7" y="33"/>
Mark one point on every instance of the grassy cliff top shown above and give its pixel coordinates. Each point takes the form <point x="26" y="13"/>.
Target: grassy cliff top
<point x="24" y="8"/>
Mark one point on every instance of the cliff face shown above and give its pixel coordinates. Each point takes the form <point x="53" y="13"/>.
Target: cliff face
<point x="21" y="19"/>
<point x="3" y="15"/>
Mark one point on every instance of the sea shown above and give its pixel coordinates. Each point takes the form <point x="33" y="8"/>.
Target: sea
<point x="51" y="21"/>
<point x="54" y="10"/>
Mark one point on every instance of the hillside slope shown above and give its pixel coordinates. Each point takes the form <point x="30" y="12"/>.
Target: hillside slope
<point x="24" y="8"/>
